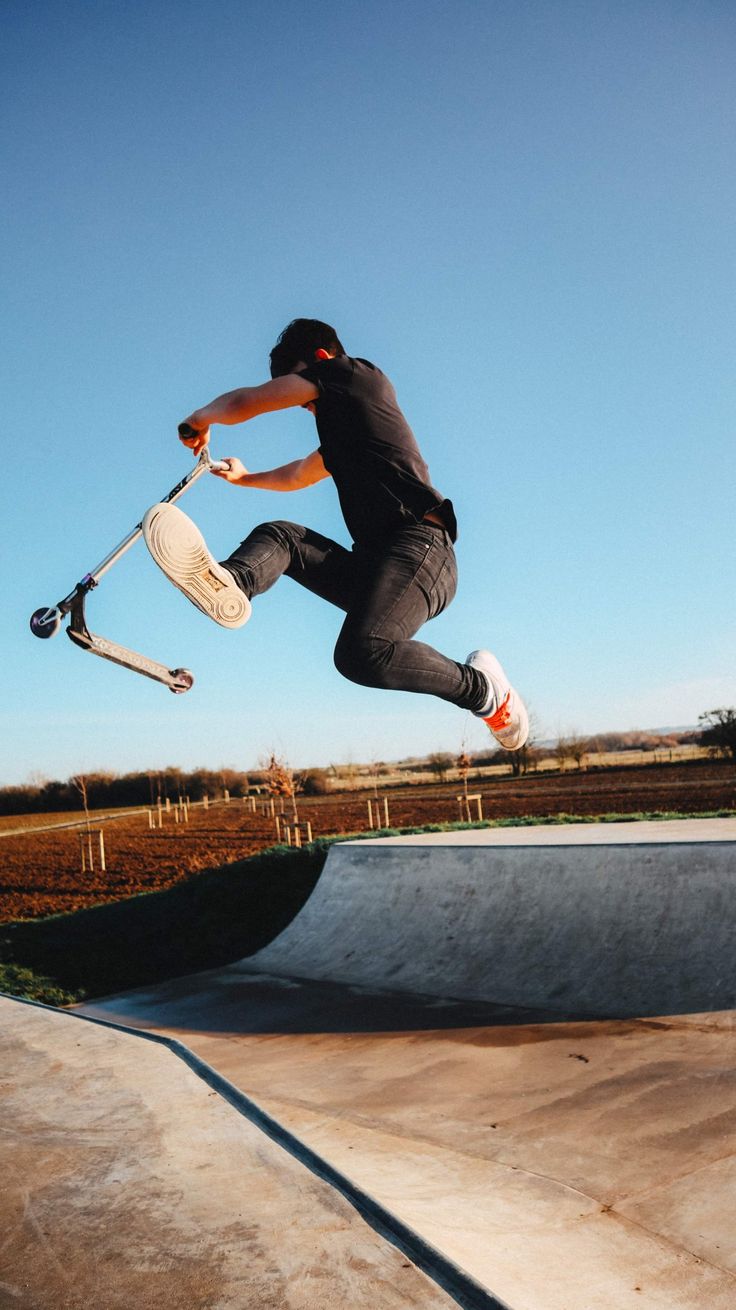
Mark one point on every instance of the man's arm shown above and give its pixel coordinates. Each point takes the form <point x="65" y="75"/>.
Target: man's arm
<point x="289" y="477"/>
<point x="245" y="403"/>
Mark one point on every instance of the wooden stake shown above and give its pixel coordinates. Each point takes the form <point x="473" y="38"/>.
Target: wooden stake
<point x="464" y="803"/>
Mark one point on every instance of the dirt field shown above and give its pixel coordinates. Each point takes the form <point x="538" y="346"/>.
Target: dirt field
<point x="40" y="872"/>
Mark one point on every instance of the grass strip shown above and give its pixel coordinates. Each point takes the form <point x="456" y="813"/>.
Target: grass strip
<point x="208" y="920"/>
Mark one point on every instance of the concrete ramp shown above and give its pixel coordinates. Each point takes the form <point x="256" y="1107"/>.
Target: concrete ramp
<point x="601" y="920"/>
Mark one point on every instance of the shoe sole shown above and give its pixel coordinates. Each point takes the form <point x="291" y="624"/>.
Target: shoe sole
<point x="180" y="551"/>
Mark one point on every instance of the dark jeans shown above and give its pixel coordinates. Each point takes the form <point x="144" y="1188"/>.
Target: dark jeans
<point x="387" y="594"/>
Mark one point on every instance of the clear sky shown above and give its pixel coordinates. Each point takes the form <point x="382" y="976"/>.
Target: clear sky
<point x="522" y="211"/>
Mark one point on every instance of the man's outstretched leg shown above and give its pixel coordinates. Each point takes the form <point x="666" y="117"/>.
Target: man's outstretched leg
<point x="222" y="590"/>
<point x="180" y="550"/>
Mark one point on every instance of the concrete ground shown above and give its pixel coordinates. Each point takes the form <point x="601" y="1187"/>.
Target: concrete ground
<point x="564" y="1165"/>
<point x="565" y="1162"/>
<point x="129" y="1182"/>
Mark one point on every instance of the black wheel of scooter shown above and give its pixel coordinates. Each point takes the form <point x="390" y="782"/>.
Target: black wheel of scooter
<point x="184" y="680"/>
<point x="46" y="622"/>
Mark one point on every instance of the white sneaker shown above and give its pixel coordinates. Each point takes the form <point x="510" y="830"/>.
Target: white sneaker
<point x="180" y="550"/>
<point x="505" y="712"/>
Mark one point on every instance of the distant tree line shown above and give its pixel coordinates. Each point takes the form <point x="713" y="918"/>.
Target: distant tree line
<point x="574" y="747"/>
<point x="106" y="790"/>
<point x="110" y="790"/>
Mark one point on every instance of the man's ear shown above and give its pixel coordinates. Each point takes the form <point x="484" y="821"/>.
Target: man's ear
<point x="322" y="354"/>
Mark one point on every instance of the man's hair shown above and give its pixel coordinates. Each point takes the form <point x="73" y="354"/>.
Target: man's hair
<point x="299" y="341"/>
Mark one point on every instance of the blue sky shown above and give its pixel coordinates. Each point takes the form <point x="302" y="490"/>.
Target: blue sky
<point x="522" y="212"/>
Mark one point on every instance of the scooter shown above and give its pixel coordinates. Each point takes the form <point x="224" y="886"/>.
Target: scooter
<point x="46" y="622"/>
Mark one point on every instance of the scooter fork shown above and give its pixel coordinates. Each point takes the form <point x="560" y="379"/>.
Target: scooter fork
<point x="46" y="622"/>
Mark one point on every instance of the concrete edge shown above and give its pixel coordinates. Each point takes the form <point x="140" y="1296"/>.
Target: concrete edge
<point x="464" y="1290"/>
<point x="414" y="841"/>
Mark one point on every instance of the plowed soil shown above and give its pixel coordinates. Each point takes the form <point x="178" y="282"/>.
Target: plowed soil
<point x="40" y="873"/>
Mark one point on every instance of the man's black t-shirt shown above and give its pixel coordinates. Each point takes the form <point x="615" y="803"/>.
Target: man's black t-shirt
<point x="370" y="450"/>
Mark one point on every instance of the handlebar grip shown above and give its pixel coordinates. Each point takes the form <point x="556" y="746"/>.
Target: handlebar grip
<point x="186" y="430"/>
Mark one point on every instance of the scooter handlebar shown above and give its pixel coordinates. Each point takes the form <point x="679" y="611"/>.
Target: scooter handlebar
<point x="214" y="465"/>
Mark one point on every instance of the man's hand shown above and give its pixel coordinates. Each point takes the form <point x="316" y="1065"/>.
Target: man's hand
<point x="195" y="434"/>
<point x="234" y="472"/>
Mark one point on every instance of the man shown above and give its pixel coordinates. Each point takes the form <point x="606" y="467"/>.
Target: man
<point x="401" y="570"/>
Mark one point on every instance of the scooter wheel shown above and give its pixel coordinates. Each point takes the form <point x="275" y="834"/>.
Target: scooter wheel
<point x="184" y="681"/>
<point x="46" y="622"/>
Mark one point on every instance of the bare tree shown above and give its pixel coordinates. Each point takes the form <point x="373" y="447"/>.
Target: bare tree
<point x="526" y="758"/>
<point x="719" y="732"/>
<point x="571" y="747"/>
<point x="440" y="762"/>
<point x="561" y="752"/>
<point x="577" y="748"/>
<point x="462" y="764"/>
<point x="378" y="768"/>
<point x="281" y="781"/>
<point x="79" y="781"/>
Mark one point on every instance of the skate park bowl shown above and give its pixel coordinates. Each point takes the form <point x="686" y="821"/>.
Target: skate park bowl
<point x="490" y="1068"/>
<point x="536" y="917"/>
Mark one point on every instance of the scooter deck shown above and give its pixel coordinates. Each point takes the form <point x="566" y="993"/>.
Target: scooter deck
<point x="177" y="680"/>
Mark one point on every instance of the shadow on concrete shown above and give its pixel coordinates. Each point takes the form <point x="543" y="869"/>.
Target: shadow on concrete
<point x="230" y="1001"/>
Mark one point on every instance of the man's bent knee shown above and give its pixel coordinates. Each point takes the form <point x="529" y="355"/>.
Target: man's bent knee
<point x="366" y="660"/>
